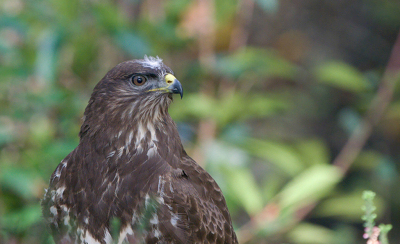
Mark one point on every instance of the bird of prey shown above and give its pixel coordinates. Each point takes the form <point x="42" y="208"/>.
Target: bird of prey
<point x="130" y="168"/>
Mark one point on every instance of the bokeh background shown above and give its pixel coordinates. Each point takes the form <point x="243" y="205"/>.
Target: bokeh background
<point x="292" y="106"/>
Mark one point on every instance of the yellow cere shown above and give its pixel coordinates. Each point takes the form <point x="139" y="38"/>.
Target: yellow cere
<point x="169" y="78"/>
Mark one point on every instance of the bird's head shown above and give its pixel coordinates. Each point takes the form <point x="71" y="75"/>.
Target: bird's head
<point x="133" y="90"/>
<point x="148" y="77"/>
<point x="142" y="78"/>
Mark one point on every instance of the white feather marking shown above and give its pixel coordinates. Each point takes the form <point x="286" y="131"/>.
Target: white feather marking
<point x="146" y="200"/>
<point x="156" y="114"/>
<point x="150" y="127"/>
<point x="60" y="192"/>
<point x="160" y="180"/>
<point x="59" y="169"/>
<point x="87" y="238"/>
<point x="141" y="136"/>
<point x="133" y="106"/>
<point x="129" y="139"/>
<point x="169" y="207"/>
<point x="152" y="152"/>
<point x="139" y="149"/>
<point x="134" y="218"/>
<point x="107" y="237"/>
<point x="154" y="220"/>
<point x="146" y="104"/>
<point x="66" y="220"/>
<point x="53" y="210"/>
<point x="157" y="233"/>
<point x="151" y="62"/>
<point x="63" y="165"/>
<point x="58" y="173"/>
<point x="160" y="199"/>
<point x="121" y="151"/>
<point x="117" y="187"/>
<point x="171" y="188"/>
<point x="174" y="219"/>
<point x="141" y="133"/>
<point x="53" y="195"/>
<point x="111" y="154"/>
<point x="160" y="189"/>
<point x="86" y="220"/>
<point x="127" y="231"/>
<point x="64" y="208"/>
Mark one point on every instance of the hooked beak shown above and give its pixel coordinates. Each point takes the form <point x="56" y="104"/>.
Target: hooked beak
<point x="173" y="86"/>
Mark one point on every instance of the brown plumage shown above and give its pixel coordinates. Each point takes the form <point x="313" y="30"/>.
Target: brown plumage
<point x="130" y="166"/>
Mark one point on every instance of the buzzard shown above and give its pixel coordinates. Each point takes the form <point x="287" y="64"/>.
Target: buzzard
<point x="130" y="168"/>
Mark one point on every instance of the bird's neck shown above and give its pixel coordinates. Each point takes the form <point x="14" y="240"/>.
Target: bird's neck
<point x="136" y="136"/>
<point x="157" y="137"/>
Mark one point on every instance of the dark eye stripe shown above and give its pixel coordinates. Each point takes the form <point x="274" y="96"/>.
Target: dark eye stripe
<point x="150" y="75"/>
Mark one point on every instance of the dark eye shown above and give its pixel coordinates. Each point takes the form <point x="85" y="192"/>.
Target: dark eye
<point x="138" y="80"/>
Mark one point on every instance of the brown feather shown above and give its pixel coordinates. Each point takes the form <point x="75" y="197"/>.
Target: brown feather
<point x="130" y="165"/>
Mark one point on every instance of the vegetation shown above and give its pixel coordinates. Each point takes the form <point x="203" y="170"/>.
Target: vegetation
<point x="292" y="106"/>
<point x="372" y="232"/>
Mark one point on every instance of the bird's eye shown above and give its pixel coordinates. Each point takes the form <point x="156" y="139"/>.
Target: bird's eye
<point x="138" y="80"/>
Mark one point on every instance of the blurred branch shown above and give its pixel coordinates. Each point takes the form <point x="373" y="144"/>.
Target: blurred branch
<point x="350" y="150"/>
<point x="240" y="33"/>
<point x="374" y="114"/>
<point x="207" y="129"/>
<point x="239" y="37"/>
<point x="206" y="32"/>
<point x="205" y="28"/>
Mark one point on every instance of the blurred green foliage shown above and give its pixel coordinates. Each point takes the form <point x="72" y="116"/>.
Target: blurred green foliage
<point x="265" y="117"/>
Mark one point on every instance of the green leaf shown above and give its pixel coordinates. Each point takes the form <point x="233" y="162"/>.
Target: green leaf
<point x="225" y="10"/>
<point x="367" y="160"/>
<point x="220" y="153"/>
<point x="313" y="151"/>
<point x="239" y="107"/>
<point x="19" y="181"/>
<point x="261" y="106"/>
<point x="196" y="105"/>
<point x="6" y="133"/>
<point x="47" y="52"/>
<point x="109" y="16"/>
<point x="346" y="206"/>
<point x="311" y="185"/>
<point x="342" y="76"/>
<point x="254" y="61"/>
<point x="41" y="129"/>
<point x="23" y="219"/>
<point x="393" y="111"/>
<point x="306" y="233"/>
<point x="232" y="107"/>
<point x="281" y="155"/>
<point x="243" y="185"/>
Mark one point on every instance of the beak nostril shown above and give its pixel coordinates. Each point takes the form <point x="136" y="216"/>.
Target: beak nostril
<point x="169" y="79"/>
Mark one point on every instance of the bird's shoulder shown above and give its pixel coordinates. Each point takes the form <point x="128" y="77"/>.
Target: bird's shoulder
<point x="193" y="201"/>
<point x="176" y="202"/>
